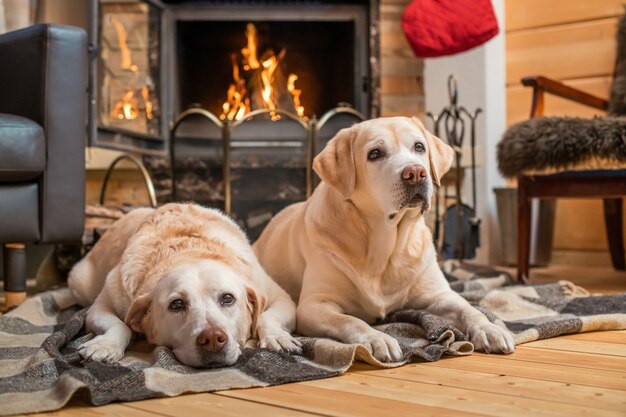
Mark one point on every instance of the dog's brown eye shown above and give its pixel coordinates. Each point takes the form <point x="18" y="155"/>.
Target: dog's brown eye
<point x="227" y="299"/>
<point x="177" y="304"/>
<point x="419" y="147"/>
<point x="374" y="155"/>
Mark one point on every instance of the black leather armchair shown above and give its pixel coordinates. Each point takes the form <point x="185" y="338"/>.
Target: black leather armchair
<point x="43" y="102"/>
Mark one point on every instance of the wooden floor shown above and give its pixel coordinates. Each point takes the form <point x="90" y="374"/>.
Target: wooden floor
<point x="578" y="375"/>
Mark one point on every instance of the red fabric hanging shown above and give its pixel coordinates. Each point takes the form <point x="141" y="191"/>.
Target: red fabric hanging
<point x="445" y="27"/>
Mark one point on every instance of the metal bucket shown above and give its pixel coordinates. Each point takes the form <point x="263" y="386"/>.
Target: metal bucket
<point x="541" y="227"/>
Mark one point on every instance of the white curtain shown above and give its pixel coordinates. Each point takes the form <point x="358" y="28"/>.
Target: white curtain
<point x="16" y="14"/>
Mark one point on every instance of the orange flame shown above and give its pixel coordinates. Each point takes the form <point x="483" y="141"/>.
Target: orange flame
<point x="269" y="66"/>
<point x="145" y="94"/>
<point x="235" y="105"/>
<point x="291" y="87"/>
<point x="122" y="40"/>
<point x="249" y="52"/>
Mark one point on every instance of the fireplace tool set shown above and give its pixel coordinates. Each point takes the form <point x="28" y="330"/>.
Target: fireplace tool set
<point x="461" y="228"/>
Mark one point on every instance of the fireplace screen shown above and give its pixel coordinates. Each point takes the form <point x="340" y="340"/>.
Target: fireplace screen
<point x="128" y="67"/>
<point x="251" y="168"/>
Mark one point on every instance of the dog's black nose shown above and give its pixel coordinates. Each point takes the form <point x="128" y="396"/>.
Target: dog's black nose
<point x="212" y="339"/>
<point x="414" y="174"/>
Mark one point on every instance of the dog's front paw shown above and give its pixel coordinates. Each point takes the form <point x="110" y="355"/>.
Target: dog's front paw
<point x="101" y="349"/>
<point x="280" y="341"/>
<point x="382" y="346"/>
<point x="491" y="338"/>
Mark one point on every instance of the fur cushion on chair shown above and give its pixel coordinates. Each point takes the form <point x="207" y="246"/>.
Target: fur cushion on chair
<point x="553" y="144"/>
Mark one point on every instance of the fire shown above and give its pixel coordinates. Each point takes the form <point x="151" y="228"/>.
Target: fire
<point x="122" y="40"/>
<point x="235" y="105"/>
<point x="291" y="87"/>
<point x="249" y="52"/>
<point x="259" y="83"/>
<point x="267" y="78"/>
<point x="145" y="94"/>
<point x="128" y="107"/>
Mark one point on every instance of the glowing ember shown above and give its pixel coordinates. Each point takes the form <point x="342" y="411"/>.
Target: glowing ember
<point x="259" y="83"/>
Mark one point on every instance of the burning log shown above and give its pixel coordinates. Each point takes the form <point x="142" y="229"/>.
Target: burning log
<point x="262" y="84"/>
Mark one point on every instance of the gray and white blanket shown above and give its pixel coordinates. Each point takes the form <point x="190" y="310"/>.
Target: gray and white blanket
<point x="40" y="369"/>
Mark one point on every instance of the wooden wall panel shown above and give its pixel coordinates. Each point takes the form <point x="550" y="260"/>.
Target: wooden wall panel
<point x="525" y="14"/>
<point x="402" y="90"/>
<point x="563" y="52"/>
<point x="392" y="84"/>
<point x="579" y="224"/>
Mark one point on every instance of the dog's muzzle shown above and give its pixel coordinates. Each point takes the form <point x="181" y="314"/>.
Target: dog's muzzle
<point x="417" y="187"/>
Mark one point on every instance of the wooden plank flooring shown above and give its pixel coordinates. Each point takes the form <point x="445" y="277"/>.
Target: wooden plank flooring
<point x="577" y="375"/>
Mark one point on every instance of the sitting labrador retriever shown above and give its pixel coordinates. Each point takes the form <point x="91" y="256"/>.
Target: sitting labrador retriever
<point x="185" y="276"/>
<point x="359" y="249"/>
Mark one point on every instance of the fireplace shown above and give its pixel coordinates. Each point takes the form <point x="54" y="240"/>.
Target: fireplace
<point x="228" y="102"/>
<point x="152" y="60"/>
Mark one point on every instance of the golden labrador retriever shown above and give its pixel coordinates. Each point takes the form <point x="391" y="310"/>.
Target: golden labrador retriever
<point x="185" y="276"/>
<point x="359" y="248"/>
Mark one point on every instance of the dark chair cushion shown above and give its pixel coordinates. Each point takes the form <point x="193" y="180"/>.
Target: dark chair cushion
<point x="22" y="149"/>
<point x="559" y="143"/>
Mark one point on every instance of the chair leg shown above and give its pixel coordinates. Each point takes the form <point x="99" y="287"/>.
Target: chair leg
<point x="14" y="263"/>
<point x="523" y="230"/>
<point x="614" y="231"/>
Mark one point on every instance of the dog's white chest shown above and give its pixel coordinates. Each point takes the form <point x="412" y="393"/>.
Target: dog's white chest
<point x="378" y="298"/>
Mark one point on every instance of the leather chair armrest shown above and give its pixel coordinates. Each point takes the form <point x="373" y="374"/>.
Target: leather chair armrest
<point x="43" y="77"/>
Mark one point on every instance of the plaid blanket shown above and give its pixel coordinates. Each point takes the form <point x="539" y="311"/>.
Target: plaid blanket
<point x="39" y="341"/>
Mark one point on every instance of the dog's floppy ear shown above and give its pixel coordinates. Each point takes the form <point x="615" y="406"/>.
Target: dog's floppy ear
<point x="256" y="305"/>
<point x="136" y="314"/>
<point x="440" y="154"/>
<point x="335" y="163"/>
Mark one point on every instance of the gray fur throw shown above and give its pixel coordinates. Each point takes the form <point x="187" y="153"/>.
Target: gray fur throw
<point x="41" y="370"/>
<point x="560" y="142"/>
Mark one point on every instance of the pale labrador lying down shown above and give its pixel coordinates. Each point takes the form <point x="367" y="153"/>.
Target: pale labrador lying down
<point x="185" y="276"/>
<point x="359" y="249"/>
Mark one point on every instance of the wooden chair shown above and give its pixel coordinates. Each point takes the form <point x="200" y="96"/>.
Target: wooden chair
<point x="564" y="157"/>
<point x="565" y="182"/>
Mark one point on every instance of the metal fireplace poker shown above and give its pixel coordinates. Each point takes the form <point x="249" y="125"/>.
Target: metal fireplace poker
<point x="272" y="146"/>
<point x="461" y="225"/>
